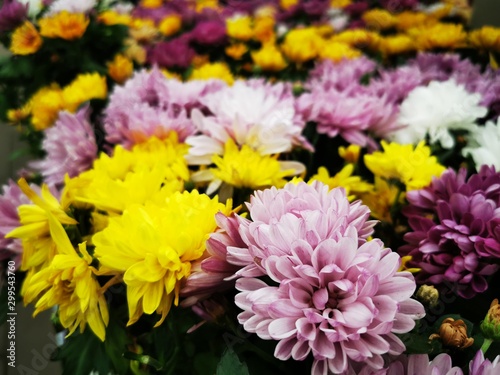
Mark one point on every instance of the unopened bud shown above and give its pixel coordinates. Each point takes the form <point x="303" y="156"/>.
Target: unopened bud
<point x="428" y="295"/>
<point x="453" y="333"/>
<point x="490" y="326"/>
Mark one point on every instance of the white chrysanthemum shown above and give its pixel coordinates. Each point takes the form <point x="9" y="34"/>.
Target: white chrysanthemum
<point x="71" y="6"/>
<point x="34" y="7"/>
<point x="253" y="113"/>
<point x="484" y="145"/>
<point x="436" y="109"/>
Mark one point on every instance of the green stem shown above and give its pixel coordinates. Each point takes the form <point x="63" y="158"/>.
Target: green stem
<point x="486" y="345"/>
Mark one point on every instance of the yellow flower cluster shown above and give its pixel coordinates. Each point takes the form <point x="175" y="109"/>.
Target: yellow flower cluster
<point x="45" y="104"/>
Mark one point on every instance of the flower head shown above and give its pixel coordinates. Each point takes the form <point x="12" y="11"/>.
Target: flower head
<point x="70" y="146"/>
<point x="490" y="326"/>
<point x="82" y="6"/>
<point x="481" y="366"/>
<point x="455" y="231"/>
<point x="12" y="14"/>
<point x="83" y="88"/>
<point x="64" y="25"/>
<point x="483" y="145"/>
<point x="120" y="68"/>
<point x="335" y="293"/>
<point x="25" y="40"/>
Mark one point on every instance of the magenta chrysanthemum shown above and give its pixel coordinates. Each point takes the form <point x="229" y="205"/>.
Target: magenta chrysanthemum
<point x="461" y="246"/>
<point x="149" y="105"/>
<point x="70" y="146"/>
<point x="337" y="300"/>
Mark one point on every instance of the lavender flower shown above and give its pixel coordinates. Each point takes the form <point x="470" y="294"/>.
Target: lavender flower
<point x="70" y="146"/>
<point x="460" y="247"/>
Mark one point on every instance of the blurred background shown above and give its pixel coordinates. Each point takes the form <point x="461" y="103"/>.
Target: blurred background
<point x="35" y="339"/>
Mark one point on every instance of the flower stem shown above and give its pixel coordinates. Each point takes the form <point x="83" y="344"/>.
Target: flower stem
<point x="486" y="345"/>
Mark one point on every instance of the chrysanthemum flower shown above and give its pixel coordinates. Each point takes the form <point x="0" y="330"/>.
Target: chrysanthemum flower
<point x="436" y="109"/>
<point x="253" y="113"/>
<point x="239" y="27"/>
<point x="301" y="45"/>
<point x="82" y="6"/>
<point x="136" y="176"/>
<point x="381" y="198"/>
<point x="84" y="88"/>
<point x="216" y="70"/>
<point x="120" y="69"/>
<point x="170" y="25"/>
<point x="483" y="144"/>
<point x="25" y="40"/>
<point x="455" y="237"/>
<point x="487" y="37"/>
<point x="339" y="298"/>
<point x="69" y="282"/>
<point x="149" y="104"/>
<point x="64" y="25"/>
<point x="269" y="58"/>
<point x="481" y="366"/>
<point x="414" y="167"/>
<point x="70" y="146"/>
<point x="440" y="35"/>
<point x="45" y="105"/>
<point x="162" y="241"/>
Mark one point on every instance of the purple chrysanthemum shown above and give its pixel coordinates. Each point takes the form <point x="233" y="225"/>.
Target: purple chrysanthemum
<point x="149" y="105"/>
<point x="338" y="297"/>
<point x="70" y="146"/>
<point x="481" y="366"/>
<point x="460" y="247"/>
<point x="12" y="14"/>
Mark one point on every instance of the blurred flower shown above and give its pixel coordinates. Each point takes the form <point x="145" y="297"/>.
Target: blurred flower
<point x="483" y="144"/>
<point x="350" y="154"/>
<point x="45" y="106"/>
<point x="25" y="40"/>
<point x="33" y="6"/>
<point x="487" y="37"/>
<point x="120" y="69"/>
<point x="81" y="6"/>
<point x="337" y="51"/>
<point x="239" y="27"/>
<point x="170" y="25"/>
<point x="440" y="35"/>
<point x="408" y="19"/>
<point x="209" y="33"/>
<point x="414" y="167"/>
<point x="269" y="58"/>
<point x="12" y="14"/>
<point x="396" y="44"/>
<point x="236" y="51"/>
<point x="381" y="199"/>
<point x="217" y="70"/>
<point x="64" y="25"/>
<point x="379" y="19"/>
<point x="453" y="333"/>
<point x="455" y="231"/>
<point x="111" y="17"/>
<point x="175" y="53"/>
<point x="84" y="88"/>
<point x="162" y="241"/>
<point x="435" y="110"/>
<point x="70" y="146"/>
<point x="301" y="45"/>
<point x="414" y="364"/>
<point x="353" y="185"/>
<point x="328" y="287"/>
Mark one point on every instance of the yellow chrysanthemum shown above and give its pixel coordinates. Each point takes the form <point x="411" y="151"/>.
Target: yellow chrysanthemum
<point x="353" y="185"/>
<point x="19" y="114"/>
<point x="161" y="242"/>
<point x="110" y="17"/>
<point x="439" y="36"/>
<point x="487" y="37"/>
<point x="170" y="25"/>
<point x="269" y="58"/>
<point x="213" y="70"/>
<point x="83" y="88"/>
<point x="339" y="3"/>
<point x="45" y="106"/>
<point x="64" y="25"/>
<point x="143" y="31"/>
<point x="134" y="51"/>
<point x="240" y="28"/>
<point x="413" y="166"/>
<point x="396" y="44"/>
<point x="404" y="267"/>
<point x="379" y="19"/>
<point x="69" y="283"/>
<point x="358" y="38"/>
<point x="381" y="199"/>
<point x="34" y="230"/>
<point x="246" y="168"/>
<point x="287" y="4"/>
<point x="264" y="29"/>
<point x="25" y="40"/>
<point x="136" y="176"/>
<point x="407" y="20"/>
<point x="151" y="3"/>
<point x="236" y="51"/>
<point x="120" y="69"/>
<point x="350" y="153"/>
<point x="206" y="4"/>
<point x="302" y="45"/>
<point x="336" y="51"/>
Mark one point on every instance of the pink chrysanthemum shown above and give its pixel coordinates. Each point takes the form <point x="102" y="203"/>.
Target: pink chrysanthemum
<point x="70" y="146"/>
<point x="149" y="105"/>
<point x="336" y="300"/>
<point x="254" y="113"/>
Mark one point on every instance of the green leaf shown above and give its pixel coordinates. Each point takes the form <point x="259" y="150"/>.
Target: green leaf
<point x="230" y="364"/>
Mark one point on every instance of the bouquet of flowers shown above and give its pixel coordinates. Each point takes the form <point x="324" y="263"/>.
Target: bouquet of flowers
<point x="240" y="187"/>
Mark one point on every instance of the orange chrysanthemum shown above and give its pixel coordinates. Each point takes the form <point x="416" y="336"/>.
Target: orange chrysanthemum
<point x="25" y="40"/>
<point x="64" y="25"/>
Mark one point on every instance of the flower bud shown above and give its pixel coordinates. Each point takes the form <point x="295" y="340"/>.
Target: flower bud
<point x="453" y="333"/>
<point x="490" y="326"/>
<point x="428" y="295"/>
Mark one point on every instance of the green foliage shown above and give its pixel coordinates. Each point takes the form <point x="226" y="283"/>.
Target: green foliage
<point x="230" y="364"/>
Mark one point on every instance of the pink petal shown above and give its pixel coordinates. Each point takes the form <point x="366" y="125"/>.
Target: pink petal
<point x="282" y="328"/>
